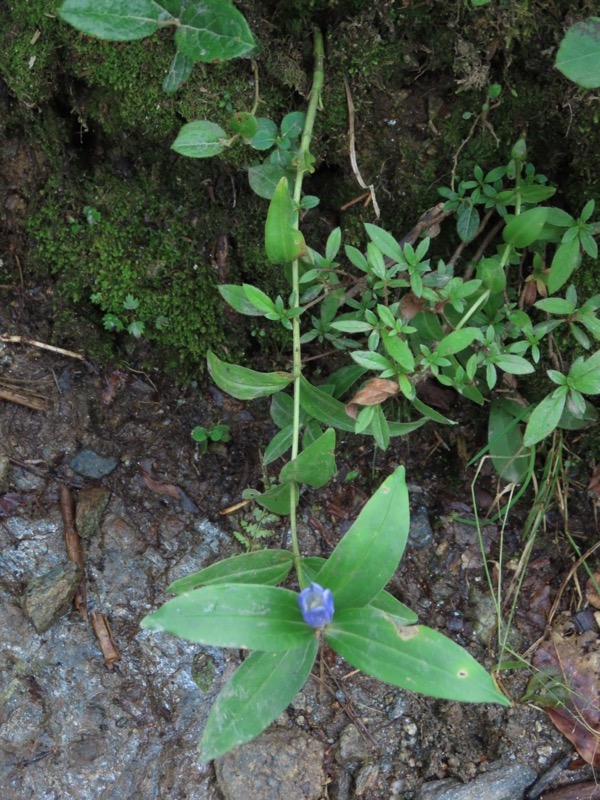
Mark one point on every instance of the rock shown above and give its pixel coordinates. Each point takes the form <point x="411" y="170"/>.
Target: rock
<point x="50" y="596"/>
<point x="503" y="783"/>
<point x="278" y="765"/>
<point x="420" y="533"/>
<point x="366" y="780"/>
<point x="91" y="465"/>
<point x="352" y="746"/>
<point x="91" y="504"/>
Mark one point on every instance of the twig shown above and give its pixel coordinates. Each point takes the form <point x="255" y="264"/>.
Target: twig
<point x="41" y="345"/>
<point x="74" y="548"/>
<point x="352" y="147"/>
<point x="21" y="399"/>
<point x="104" y="635"/>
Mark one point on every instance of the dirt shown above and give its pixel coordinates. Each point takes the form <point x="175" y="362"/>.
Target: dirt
<point x="74" y="725"/>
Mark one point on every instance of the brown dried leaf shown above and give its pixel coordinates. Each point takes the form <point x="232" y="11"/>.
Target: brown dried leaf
<point x="591" y="591"/>
<point x="374" y="392"/>
<point x="410" y="305"/>
<point x="594" y="484"/>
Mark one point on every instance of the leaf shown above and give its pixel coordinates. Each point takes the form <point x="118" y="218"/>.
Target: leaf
<point x="431" y="413"/>
<point x="584" y="375"/>
<point x="282" y="410"/>
<point x="566" y="259"/>
<point x="514" y="365"/>
<point x="292" y="124"/>
<point x="244" y="123"/>
<point x="368" y="555"/>
<point x="200" y="139"/>
<point x="523" y="229"/>
<point x="234" y="615"/>
<point x="385" y="242"/>
<point x="380" y="428"/>
<point x="258" y="299"/>
<point x="263" y="179"/>
<point x="398" y="349"/>
<point x="243" y="383"/>
<point x="544" y="418"/>
<point x="371" y="360"/>
<point x="261" y="567"/>
<point x="235" y="296"/>
<point x="179" y="71"/>
<point x="578" y="56"/>
<point x="415" y="658"/>
<point x="467" y="222"/>
<point x="116" y="20"/>
<point x="374" y="392"/>
<point x="457" y="341"/>
<point x="555" y="305"/>
<point x="505" y="439"/>
<point x="213" y="31"/>
<point x="257" y="693"/>
<point x="315" y="465"/>
<point x="283" y="241"/>
<point x="278" y="499"/>
<point x="279" y="444"/>
<point x="266" y="135"/>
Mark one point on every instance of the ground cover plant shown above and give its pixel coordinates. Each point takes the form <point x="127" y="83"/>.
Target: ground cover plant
<point x="401" y="318"/>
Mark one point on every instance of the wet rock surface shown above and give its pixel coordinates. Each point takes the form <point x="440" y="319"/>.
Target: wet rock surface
<point x="72" y="727"/>
<point x="501" y="783"/>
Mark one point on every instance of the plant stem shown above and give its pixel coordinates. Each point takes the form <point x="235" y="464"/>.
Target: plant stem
<point x="303" y="166"/>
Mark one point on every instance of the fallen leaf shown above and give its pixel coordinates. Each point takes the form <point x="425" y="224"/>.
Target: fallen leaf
<point x="372" y="393"/>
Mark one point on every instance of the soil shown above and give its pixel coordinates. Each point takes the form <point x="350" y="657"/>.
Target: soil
<point x="76" y="724"/>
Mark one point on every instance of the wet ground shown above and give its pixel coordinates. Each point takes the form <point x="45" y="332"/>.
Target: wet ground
<point x="115" y="712"/>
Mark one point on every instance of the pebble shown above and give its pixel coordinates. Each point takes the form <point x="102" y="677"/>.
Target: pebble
<point x="420" y="533"/>
<point x="91" y="504"/>
<point x="91" y="465"/>
<point x="503" y="783"/>
<point x="352" y="746"/>
<point x="49" y="596"/>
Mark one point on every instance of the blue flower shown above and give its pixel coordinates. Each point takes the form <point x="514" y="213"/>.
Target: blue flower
<point x="316" y="605"/>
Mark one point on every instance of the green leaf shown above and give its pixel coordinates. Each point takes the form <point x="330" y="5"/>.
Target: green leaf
<point x="315" y="465"/>
<point x="200" y="139"/>
<point x="431" y="413"/>
<point x="509" y="456"/>
<point x="578" y="56"/>
<point x="258" y="299"/>
<point x="569" y="422"/>
<point x="584" y="375"/>
<point x="279" y="444"/>
<point x="244" y="123"/>
<point x="566" y="259"/>
<point x="263" y="178"/>
<point x="457" y="341"/>
<point x="235" y="296"/>
<point x="213" y="31"/>
<point x="292" y="124"/>
<point x="396" y="347"/>
<point x="243" y="383"/>
<point x="370" y="360"/>
<point x="368" y="555"/>
<point x="234" y="615"/>
<point x="266" y="135"/>
<point x="383" y="601"/>
<point x="116" y="20"/>
<point x="555" y="305"/>
<point x="526" y="227"/>
<point x="385" y="242"/>
<point x="282" y="410"/>
<point x="536" y="193"/>
<point x="380" y="428"/>
<point x="179" y="71"/>
<point x="261" y="567"/>
<point x="514" y="365"/>
<point x="544" y="418"/>
<point x="351" y="326"/>
<point x="257" y="693"/>
<point x="283" y="241"/>
<point x="278" y="499"/>
<point x="415" y="658"/>
<point x="467" y="222"/>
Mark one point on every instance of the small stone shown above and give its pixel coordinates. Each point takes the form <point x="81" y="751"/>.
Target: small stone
<point x="277" y="765"/>
<point x="366" y="780"/>
<point x="352" y="746"/>
<point x="91" y="465"/>
<point x="503" y="783"/>
<point x="91" y="504"/>
<point x="49" y="596"/>
<point x="420" y="533"/>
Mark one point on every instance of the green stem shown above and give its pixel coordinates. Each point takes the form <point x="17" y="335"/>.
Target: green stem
<point x="303" y="166"/>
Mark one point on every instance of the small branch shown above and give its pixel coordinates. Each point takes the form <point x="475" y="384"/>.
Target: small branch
<point x="352" y="145"/>
<point x="110" y="651"/>
<point x="74" y="548"/>
<point x="41" y="345"/>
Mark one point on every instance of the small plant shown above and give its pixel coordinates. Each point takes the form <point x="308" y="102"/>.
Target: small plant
<point x="125" y="319"/>
<point x="217" y="433"/>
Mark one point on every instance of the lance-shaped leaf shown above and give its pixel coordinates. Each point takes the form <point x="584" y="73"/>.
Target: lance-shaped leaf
<point x="414" y="657"/>
<point x="566" y="259"/>
<point x="545" y="417"/>
<point x="315" y="465"/>
<point x="257" y="693"/>
<point x="116" y="20"/>
<point x="505" y="439"/>
<point x="234" y="615"/>
<point x="283" y="240"/>
<point x="523" y="229"/>
<point x="213" y="31"/>
<point x="236" y="297"/>
<point x="243" y="383"/>
<point x="261" y="567"/>
<point x="200" y="139"/>
<point x="367" y="556"/>
<point x="457" y="341"/>
<point x="278" y="499"/>
<point x="179" y="71"/>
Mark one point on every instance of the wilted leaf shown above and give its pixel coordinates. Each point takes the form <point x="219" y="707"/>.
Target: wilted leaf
<point x="372" y="393"/>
